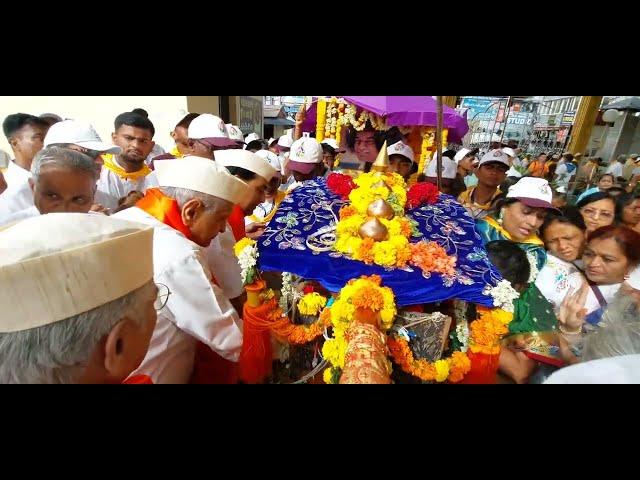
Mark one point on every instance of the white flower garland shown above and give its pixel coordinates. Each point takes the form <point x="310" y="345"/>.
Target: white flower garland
<point x="462" y="333"/>
<point x="248" y="259"/>
<point x="503" y="295"/>
<point x="533" y="262"/>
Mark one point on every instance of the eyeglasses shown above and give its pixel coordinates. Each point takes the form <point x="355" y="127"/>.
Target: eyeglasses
<point x="162" y="297"/>
<point x="591" y="213"/>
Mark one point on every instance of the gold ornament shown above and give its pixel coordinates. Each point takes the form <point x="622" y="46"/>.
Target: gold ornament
<point x="374" y="229"/>
<point x="382" y="161"/>
<point x="380" y="209"/>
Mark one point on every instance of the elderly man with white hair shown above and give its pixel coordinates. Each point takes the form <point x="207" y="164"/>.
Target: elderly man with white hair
<point x="77" y="298"/>
<point x="187" y="211"/>
<point x="62" y="180"/>
<point x="70" y="134"/>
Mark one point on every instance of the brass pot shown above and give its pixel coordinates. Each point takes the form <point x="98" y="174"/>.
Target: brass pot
<point x="374" y="229"/>
<point x="380" y="209"/>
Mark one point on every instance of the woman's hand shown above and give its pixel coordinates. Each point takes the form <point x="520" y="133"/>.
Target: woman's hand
<point x="572" y="312"/>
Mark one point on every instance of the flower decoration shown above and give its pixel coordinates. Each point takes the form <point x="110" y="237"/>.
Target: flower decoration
<point x="340" y="184"/>
<point x="311" y="304"/>
<point x="503" y="295"/>
<point x="423" y="193"/>
<point x="246" y="250"/>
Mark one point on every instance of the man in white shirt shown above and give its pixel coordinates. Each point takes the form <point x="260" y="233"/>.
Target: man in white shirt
<point x="566" y="171"/>
<point x="187" y="211"/>
<point x="25" y="133"/>
<point x="63" y="180"/>
<point x="127" y="172"/>
<point x="616" y="167"/>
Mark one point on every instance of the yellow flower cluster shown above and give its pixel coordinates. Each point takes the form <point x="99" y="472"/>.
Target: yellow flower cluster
<point x="311" y="304"/>
<point x="343" y="309"/>
<point x="242" y="244"/>
<point x="335" y="349"/>
<point x="321" y="118"/>
<point x="375" y="185"/>
<point x="395" y="251"/>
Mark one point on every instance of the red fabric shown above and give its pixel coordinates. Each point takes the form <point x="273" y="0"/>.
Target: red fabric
<point x="165" y="209"/>
<point x="415" y="308"/>
<point x="138" y="380"/>
<point x="236" y="220"/>
<point x="210" y="368"/>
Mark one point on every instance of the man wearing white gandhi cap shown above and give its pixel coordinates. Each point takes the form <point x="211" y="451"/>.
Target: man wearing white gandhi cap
<point x="188" y="210"/>
<point x="256" y="172"/>
<point x="79" y="303"/>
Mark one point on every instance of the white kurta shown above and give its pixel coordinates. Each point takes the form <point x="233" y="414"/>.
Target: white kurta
<point x="114" y="187"/>
<point x="615" y="169"/>
<point x="15" y="199"/>
<point x="21" y="215"/>
<point x="223" y="264"/>
<point x="196" y="310"/>
<point x="15" y="175"/>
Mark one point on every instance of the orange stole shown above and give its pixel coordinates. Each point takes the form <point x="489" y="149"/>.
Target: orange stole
<point x="164" y="209"/>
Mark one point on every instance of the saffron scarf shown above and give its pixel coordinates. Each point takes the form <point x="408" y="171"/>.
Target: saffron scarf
<point x="165" y="209"/>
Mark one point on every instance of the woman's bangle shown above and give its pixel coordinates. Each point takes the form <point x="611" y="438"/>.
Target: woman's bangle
<point x="577" y="332"/>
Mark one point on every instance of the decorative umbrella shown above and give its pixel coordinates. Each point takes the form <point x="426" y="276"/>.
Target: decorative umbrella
<point x="402" y="111"/>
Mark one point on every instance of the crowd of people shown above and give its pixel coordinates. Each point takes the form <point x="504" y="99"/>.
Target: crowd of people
<point x="117" y="260"/>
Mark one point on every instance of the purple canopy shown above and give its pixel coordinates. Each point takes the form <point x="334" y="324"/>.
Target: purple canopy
<point x="405" y="111"/>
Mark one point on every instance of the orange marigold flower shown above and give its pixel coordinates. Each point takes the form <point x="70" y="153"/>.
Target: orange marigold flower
<point x="377" y="279"/>
<point x="405" y="228"/>
<point x="365" y="251"/>
<point x="368" y="297"/>
<point x="459" y="366"/>
<point x="347" y="211"/>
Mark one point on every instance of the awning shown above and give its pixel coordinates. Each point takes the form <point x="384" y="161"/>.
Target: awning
<point x="279" y="121"/>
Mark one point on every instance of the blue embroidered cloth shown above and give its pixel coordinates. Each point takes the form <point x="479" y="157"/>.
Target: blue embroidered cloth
<point x="311" y="207"/>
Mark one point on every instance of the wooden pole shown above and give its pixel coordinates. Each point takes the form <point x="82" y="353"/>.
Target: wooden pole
<point x="439" y="144"/>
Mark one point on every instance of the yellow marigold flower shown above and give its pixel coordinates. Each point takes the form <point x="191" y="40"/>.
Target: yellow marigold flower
<point x="311" y="303"/>
<point x="442" y="370"/>
<point x="384" y="255"/>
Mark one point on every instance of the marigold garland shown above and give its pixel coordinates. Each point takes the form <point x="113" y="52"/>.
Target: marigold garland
<point x="486" y="333"/>
<point x="453" y="368"/>
<point x="282" y="327"/>
<point x="320" y="119"/>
